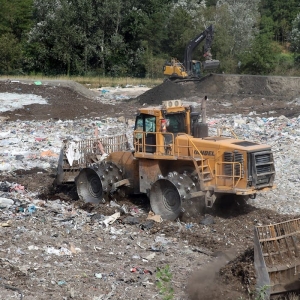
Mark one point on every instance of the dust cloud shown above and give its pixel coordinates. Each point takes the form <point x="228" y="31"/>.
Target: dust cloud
<point x="204" y="284"/>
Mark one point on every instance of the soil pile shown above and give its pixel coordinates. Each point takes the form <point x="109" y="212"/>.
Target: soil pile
<point x="168" y="90"/>
<point x="229" y="87"/>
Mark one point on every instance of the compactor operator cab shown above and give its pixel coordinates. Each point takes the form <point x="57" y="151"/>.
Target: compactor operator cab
<point x="155" y="128"/>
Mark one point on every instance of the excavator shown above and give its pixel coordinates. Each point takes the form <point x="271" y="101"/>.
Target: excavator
<point x="190" y="70"/>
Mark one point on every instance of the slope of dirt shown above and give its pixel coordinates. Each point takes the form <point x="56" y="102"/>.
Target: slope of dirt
<point x="67" y="99"/>
<point x="233" y="93"/>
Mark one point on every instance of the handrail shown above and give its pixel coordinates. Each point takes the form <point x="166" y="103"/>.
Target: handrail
<point x="234" y="177"/>
<point x="140" y="145"/>
<point x="194" y="147"/>
<point x="168" y="148"/>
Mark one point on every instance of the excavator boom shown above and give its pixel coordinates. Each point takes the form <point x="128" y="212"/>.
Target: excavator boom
<point x="206" y="35"/>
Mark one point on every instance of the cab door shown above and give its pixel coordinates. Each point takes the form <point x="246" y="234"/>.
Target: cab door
<point x="147" y="124"/>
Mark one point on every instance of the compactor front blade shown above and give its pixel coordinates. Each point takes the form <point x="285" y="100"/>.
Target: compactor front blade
<point x="277" y="257"/>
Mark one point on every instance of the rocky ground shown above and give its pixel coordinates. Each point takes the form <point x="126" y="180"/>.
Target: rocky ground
<point x="55" y="247"/>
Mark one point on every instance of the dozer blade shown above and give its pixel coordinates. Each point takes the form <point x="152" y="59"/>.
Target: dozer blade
<point x="277" y="257"/>
<point x="211" y="64"/>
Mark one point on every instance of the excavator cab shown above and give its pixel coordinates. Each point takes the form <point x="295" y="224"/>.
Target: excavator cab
<point x="196" y="68"/>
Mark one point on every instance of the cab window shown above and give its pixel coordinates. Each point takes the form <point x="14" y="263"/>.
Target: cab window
<point x="175" y="123"/>
<point x="145" y="123"/>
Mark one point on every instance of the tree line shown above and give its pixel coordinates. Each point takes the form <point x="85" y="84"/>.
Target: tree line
<point x="135" y="38"/>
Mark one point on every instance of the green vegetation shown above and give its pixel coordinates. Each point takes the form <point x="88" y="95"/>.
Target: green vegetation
<point x="96" y="82"/>
<point x="164" y="283"/>
<point x="133" y="38"/>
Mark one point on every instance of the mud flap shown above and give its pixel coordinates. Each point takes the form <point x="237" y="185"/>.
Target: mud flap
<point x="277" y="257"/>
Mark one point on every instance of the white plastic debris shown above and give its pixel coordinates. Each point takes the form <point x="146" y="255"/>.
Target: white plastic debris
<point x="6" y="203"/>
<point x="111" y="219"/>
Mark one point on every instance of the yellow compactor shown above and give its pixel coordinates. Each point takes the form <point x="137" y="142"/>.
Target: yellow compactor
<point x="174" y="162"/>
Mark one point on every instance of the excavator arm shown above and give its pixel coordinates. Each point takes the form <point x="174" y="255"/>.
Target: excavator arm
<point x="206" y="35"/>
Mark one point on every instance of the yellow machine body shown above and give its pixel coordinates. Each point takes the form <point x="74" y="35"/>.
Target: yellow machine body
<point x="173" y="161"/>
<point x="175" y="69"/>
<point x="223" y="165"/>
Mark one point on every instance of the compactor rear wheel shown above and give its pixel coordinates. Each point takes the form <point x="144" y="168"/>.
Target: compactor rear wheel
<point x="89" y="186"/>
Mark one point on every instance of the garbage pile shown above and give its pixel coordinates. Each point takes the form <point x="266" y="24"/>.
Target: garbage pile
<point x="115" y="95"/>
<point x="55" y="248"/>
<point x="27" y="145"/>
<point x="31" y="144"/>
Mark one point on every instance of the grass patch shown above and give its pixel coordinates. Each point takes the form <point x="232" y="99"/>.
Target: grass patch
<point x="95" y="82"/>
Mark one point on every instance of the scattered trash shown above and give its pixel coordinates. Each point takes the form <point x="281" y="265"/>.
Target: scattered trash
<point x="147" y="225"/>
<point x="31" y="209"/>
<point x="111" y="219"/>
<point x="140" y="270"/>
<point x="142" y="247"/>
<point x="208" y="220"/>
<point x="6" y="203"/>
<point x="17" y="188"/>
<point x="189" y="226"/>
<point x="150" y="256"/>
<point x="5" y="224"/>
<point x="104" y="91"/>
<point x="48" y="153"/>
<point x="131" y="220"/>
<point x="115" y="231"/>
<point x="60" y="251"/>
<point x="154" y="217"/>
<point x="33" y="247"/>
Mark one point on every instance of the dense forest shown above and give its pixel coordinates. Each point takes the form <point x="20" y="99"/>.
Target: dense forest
<point x="135" y="38"/>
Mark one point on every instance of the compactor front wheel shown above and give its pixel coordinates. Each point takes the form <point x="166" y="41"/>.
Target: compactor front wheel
<point x="165" y="199"/>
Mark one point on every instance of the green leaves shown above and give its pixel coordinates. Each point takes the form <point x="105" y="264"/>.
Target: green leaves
<point x="261" y="56"/>
<point x="10" y="53"/>
<point x="164" y="282"/>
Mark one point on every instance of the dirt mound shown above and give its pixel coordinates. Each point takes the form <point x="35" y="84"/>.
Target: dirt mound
<point x="72" y="85"/>
<point x="168" y="90"/>
<point x="66" y="99"/>
<point x="229" y="87"/>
